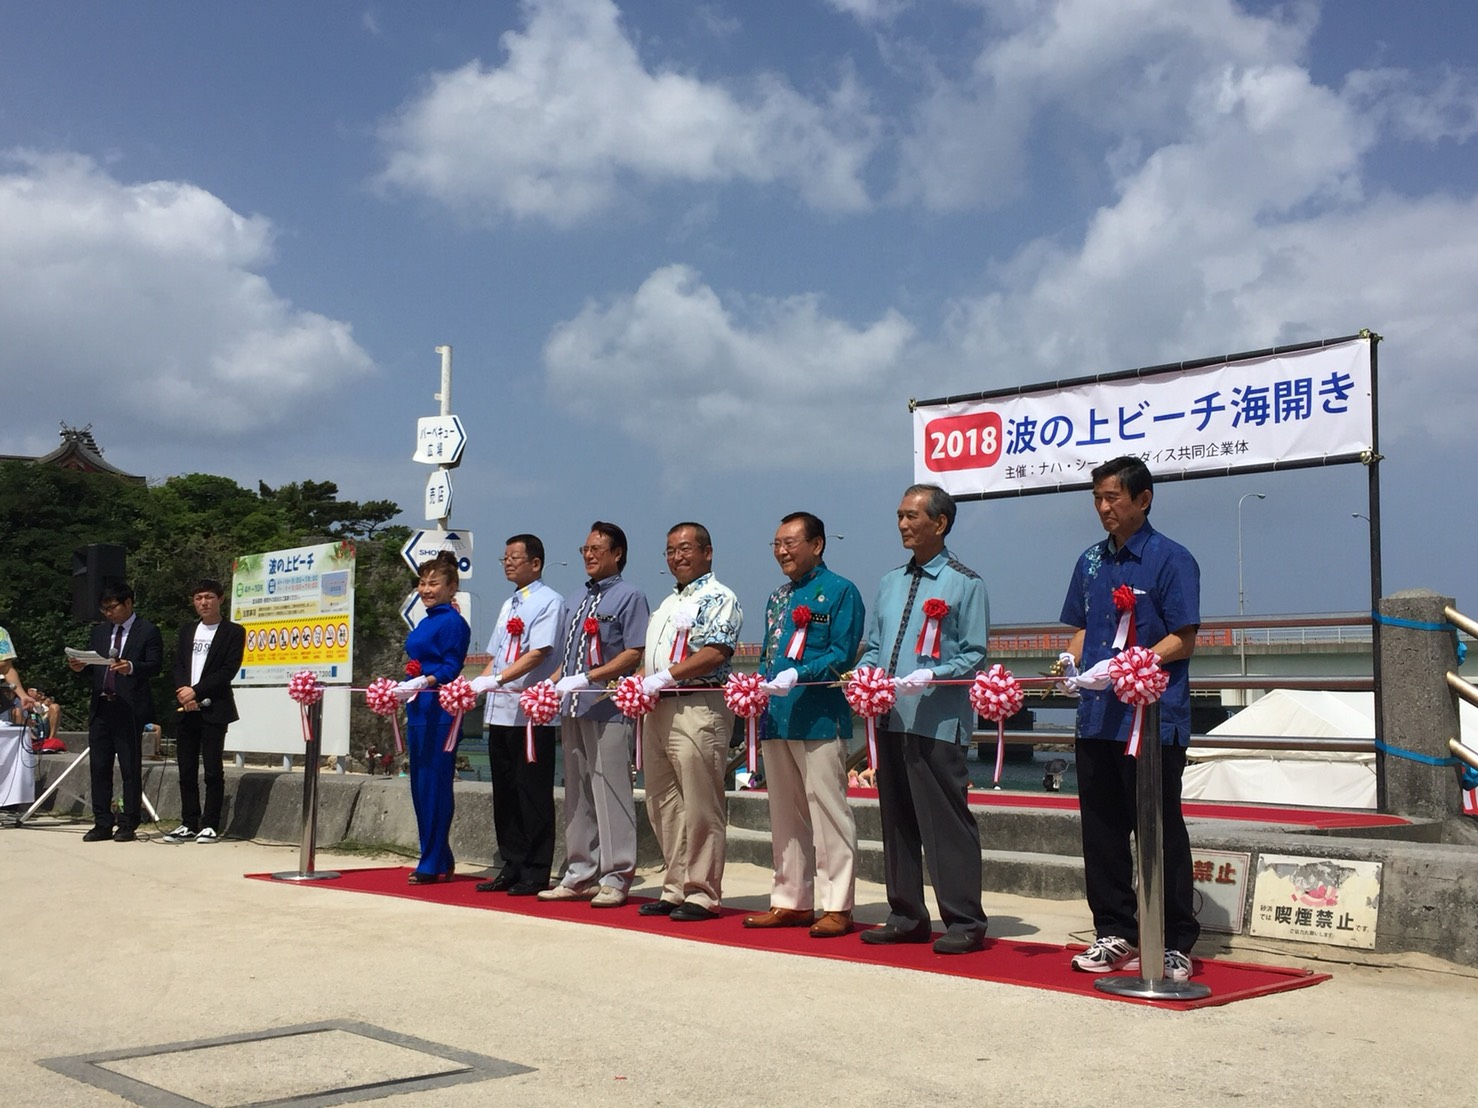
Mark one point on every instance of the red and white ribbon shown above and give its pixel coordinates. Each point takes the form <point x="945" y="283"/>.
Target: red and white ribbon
<point x="929" y="635"/>
<point x="458" y="698"/>
<point x="380" y="698"/>
<point x="304" y="688"/>
<point x="541" y="704"/>
<point x="592" y="642"/>
<point x="801" y="617"/>
<point x="514" y="627"/>
<point x="682" y="623"/>
<point x="1124" y="634"/>
<point x="1470" y="802"/>
<point x="996" y="695"/>
<point x="633" y="703"/>
<point x="1139" y="681"/>
<point x="746" y="697"/>
<point x="870" y="693"/>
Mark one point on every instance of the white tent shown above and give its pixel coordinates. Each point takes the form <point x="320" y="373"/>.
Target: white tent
<point x="1313" y="779"/>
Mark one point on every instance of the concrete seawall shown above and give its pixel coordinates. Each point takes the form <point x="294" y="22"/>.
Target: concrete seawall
<point x="1429" y="887"/>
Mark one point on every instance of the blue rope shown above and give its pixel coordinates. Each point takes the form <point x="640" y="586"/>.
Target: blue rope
<point x="1413" y="756"/>
<point x="1418" y="625"/>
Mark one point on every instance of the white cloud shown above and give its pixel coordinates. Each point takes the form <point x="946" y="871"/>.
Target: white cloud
<point x="702" y="383"/>
<point x="145" y="301"/>
<point x="870" y="12"/>
<point x="572" y="117"/>
<point x="1087" y="69"/>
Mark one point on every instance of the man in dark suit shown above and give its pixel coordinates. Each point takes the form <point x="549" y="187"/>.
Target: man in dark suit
<point x="121" y="705"/>
<point x="206" y="658"/>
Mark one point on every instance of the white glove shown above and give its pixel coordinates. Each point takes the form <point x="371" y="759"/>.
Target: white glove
<point x="575" y="682"/>
<point x="1069" y="665"/>
<point x="1067" y="680"/>
<point x="915" y="683"/>
<point x="407" y="689"/>
<point x="657" y="682"/>
<point x="781" y="683"/>
<point x="484" y="683"/>
<point x="1095" y="678"/>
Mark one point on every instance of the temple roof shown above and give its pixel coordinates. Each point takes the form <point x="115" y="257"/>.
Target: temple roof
<point x="79" y="451"/>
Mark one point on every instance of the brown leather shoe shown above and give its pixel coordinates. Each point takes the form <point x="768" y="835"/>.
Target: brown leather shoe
<point x="781" y="917"/>
<point x="832" y="925"/>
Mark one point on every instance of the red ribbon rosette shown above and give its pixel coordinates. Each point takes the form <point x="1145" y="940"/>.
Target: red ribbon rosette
<point x="996" y="695"/>
<point x="929" y="635"/>
<point x="633" y="703"/>
<point x="541" y="704"/>
<point x="801" y="617"/>
<point x="514" y="627"/>
<point x="305" y="688"/>
<point x="746" y="698"/>
<point x="1124" y="634"/>
<point x="591" y="627"/>
<point x="380" y="699"/>
<point x="413" y="668"/>
<point x="1138" y="681"/>
<point x="870" y="693"/>
<point x="457" y="698"/>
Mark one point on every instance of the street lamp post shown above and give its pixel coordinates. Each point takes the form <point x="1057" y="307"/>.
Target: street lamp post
<point x="1242" y="592"/>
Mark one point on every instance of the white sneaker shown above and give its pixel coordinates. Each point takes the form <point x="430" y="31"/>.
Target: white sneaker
<point x="610" y="896"/>
<point x="1177" y="966"/>
<point x="180" y="834"/>
<point x="1107" y="953"/>
<point x="207" y="835"/>
<point x="569" y="892"/>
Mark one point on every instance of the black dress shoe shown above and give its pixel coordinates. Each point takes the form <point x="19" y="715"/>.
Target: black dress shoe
<point x="959" y="942"/>
<point x="500" y="884"/>
<point x="657" y="908"/>
<point x="528" y="888"/>
<point x="97" y="835"/>
<point x="888" y="934"/>
<point x="688" y="912"/>
<point x="124" y="835"/>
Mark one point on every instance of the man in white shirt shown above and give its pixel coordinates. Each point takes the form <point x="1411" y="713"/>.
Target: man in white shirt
<point x="523" y="653"/>
<point x="206" y="659"/>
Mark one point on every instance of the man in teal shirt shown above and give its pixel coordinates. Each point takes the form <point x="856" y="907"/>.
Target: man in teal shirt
<point x="813" y="626"/>
<point x="929" y="624"/>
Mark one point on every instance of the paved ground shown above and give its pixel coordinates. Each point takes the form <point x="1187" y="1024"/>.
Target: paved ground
<point x="117" y="946"/>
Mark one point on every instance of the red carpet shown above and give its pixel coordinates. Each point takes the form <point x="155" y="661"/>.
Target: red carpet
<point x="1194" y="809"/>
<point x="1009" y="961"/>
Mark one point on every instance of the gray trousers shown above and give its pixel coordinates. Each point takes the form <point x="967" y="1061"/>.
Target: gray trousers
<point x="600" y="817"/>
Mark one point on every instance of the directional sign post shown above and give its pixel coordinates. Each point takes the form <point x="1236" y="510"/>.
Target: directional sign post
<point x="439" y="495"/>
<point x="439" y="440"/>
<point x="425" y="545"/>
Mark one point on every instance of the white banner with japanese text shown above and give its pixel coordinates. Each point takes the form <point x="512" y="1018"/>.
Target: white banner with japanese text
<point x="1301" y="406"/>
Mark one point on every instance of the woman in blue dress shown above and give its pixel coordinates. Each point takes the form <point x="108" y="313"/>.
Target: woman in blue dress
<point x="439" y="643"/>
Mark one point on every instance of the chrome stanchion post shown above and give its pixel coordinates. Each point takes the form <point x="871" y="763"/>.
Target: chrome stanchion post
<point x="305" y="870"/>
<point x="1149" y="849"/>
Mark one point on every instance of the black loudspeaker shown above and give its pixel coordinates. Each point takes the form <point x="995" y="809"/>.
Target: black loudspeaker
<point x="93" y="569"/>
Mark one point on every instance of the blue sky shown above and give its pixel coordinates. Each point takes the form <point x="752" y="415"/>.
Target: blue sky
<point x="694" y="258"/>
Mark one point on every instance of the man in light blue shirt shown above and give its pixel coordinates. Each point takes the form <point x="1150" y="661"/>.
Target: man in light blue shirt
<point x="929" y="624"/>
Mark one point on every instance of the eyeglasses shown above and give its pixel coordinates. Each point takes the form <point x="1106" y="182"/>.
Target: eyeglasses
<point x="789" y="544"/>
<point x="584" y="550"/>
<point x="111" y="606"/>
<point x="514" y="559"/>
<point x="682" y="548"/>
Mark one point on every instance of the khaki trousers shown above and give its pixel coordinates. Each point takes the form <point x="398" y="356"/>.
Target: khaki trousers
<point x="685" y="747"/>
<point x="811" y="825"/>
